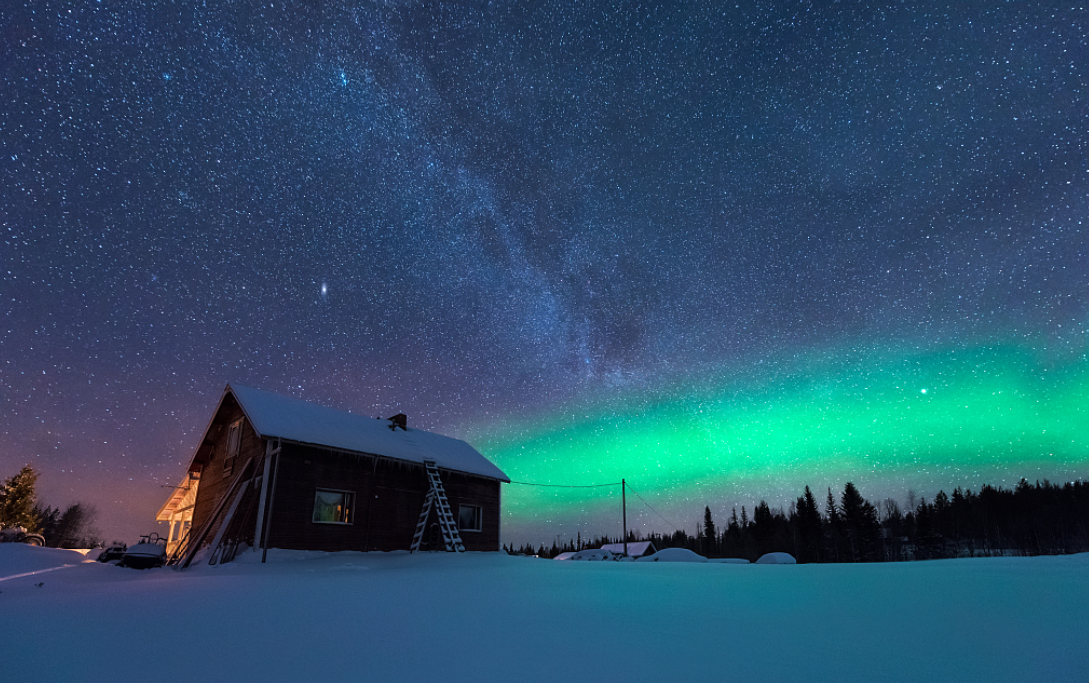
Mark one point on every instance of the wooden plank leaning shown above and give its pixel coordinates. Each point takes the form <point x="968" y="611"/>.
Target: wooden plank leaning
<point x="196" y="540"/>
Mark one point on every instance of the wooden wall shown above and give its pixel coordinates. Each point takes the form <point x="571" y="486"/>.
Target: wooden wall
<point x="214" y="480"/>
<point x="389" y="495"/>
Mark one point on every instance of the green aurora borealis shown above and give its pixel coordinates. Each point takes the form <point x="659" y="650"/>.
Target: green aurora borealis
<point x="916" y="421"/>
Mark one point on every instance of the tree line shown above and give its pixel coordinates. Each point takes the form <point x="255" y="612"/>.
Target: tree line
<point x="72" y="527"/>
<point x="1029" y="519"/>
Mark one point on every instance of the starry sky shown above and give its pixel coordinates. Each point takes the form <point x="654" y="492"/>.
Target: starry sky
<point x="719" y="249"/>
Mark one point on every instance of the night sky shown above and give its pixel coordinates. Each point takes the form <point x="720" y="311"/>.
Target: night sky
<point x="722" y="250"/>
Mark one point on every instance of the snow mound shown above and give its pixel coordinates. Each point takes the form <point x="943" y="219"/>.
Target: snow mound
<point x="730" y="560"/>
<point x="777" y="558"/>
<point x="20" y="558"/>
<point x="673" y="555"/>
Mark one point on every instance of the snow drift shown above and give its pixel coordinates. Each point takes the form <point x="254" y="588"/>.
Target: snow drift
<point x="673" y="555"/>
<point x="776" y="558"/>
<point x="490" y="617"/>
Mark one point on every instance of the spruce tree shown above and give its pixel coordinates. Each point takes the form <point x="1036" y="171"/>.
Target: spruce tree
<point x="833" y="528"/>
<point x="710" y="536"/>
<point x="942" y="514"/>
<point x="763" y="528"/>
<point x="48" y="518"/>
<point x="851" y="503"/>
<point x="860" y="525"/>
<point x="924" y="531"/>
<point x="731" y="538"/>
<point x="17" y="500"/>
<point x="809" y="527"/>
<point x="831" y="510"/>
<point x="870" y="533"/>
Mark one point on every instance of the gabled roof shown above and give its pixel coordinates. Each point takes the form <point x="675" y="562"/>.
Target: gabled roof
<point x="273" y="415"/>
<point x="635" y="548"/>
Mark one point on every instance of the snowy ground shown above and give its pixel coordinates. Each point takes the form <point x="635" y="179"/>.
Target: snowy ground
<point x="489" y="617"/>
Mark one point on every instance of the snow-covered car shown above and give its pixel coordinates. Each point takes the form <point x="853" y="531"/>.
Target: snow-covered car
<point x="598" y="555"/>
<point x="18" y="534"/>
<point x="673" y="555"/>
<point x="150" y="552"/>
<point x="777" y="558"/>
<point x="115" y="553"/>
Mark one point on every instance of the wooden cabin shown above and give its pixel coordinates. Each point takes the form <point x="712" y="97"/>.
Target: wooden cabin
<point x="276" y="472"/>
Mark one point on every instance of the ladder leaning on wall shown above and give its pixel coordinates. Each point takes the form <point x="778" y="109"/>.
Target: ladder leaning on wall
<point x="436" y="497"/>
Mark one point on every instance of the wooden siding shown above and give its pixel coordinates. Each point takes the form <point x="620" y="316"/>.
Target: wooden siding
<point x="388" y="498"/>
<point x="214" y="479"/>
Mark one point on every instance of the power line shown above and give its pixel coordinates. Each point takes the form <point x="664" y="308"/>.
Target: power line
<point x="566" y="486"/>
<point x="595" y="486"/>
<point x="652" y="509"/>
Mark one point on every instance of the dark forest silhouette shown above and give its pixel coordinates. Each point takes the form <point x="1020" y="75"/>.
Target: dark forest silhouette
<point x="1040" y="519"/>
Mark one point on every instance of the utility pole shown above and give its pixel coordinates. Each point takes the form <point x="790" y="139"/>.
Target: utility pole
<point x="624" y="505"/>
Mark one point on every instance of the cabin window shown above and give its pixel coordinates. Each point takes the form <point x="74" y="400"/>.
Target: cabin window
<point x="470" y="518"/>
<point x="234" y="445"/>
<point x="333" y="507"/>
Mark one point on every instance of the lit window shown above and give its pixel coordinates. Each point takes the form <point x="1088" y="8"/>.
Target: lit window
<point x="333" y="507"/>
<point x="470" y="518"/>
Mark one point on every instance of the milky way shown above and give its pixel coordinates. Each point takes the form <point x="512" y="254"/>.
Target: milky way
<point x="717" y="249"/>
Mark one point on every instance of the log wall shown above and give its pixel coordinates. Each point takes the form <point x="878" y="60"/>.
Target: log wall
<point x="214" y="478"/>
<point x="388" y="497"/>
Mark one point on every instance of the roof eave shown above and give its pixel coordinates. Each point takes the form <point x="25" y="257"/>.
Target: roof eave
<point x="503" y="480"/>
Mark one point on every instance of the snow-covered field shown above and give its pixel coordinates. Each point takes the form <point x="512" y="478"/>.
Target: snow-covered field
<point x="489" y="617"/>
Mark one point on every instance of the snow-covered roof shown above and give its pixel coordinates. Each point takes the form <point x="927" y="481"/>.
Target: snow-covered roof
<point x="635" y="549"/>
<point x="273" y="415"/>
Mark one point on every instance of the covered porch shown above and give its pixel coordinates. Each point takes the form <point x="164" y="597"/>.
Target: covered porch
<point x="178" y="510"/>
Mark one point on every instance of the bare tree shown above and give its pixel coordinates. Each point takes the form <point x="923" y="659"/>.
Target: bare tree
<point x="890" y="509"/>
<point x="75" y="527"/>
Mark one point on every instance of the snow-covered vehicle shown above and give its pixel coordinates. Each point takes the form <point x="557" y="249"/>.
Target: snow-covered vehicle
<point x="673" y="555"/>
<point x="115" y="553"/>
<point x="777" y="558"/>
<point x="18" y="534"/>
<point x="598" y="555"/>
<point x="148" y="553"/>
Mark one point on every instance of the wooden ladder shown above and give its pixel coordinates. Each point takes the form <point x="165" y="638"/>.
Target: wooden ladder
<point x="436" y="497"/>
